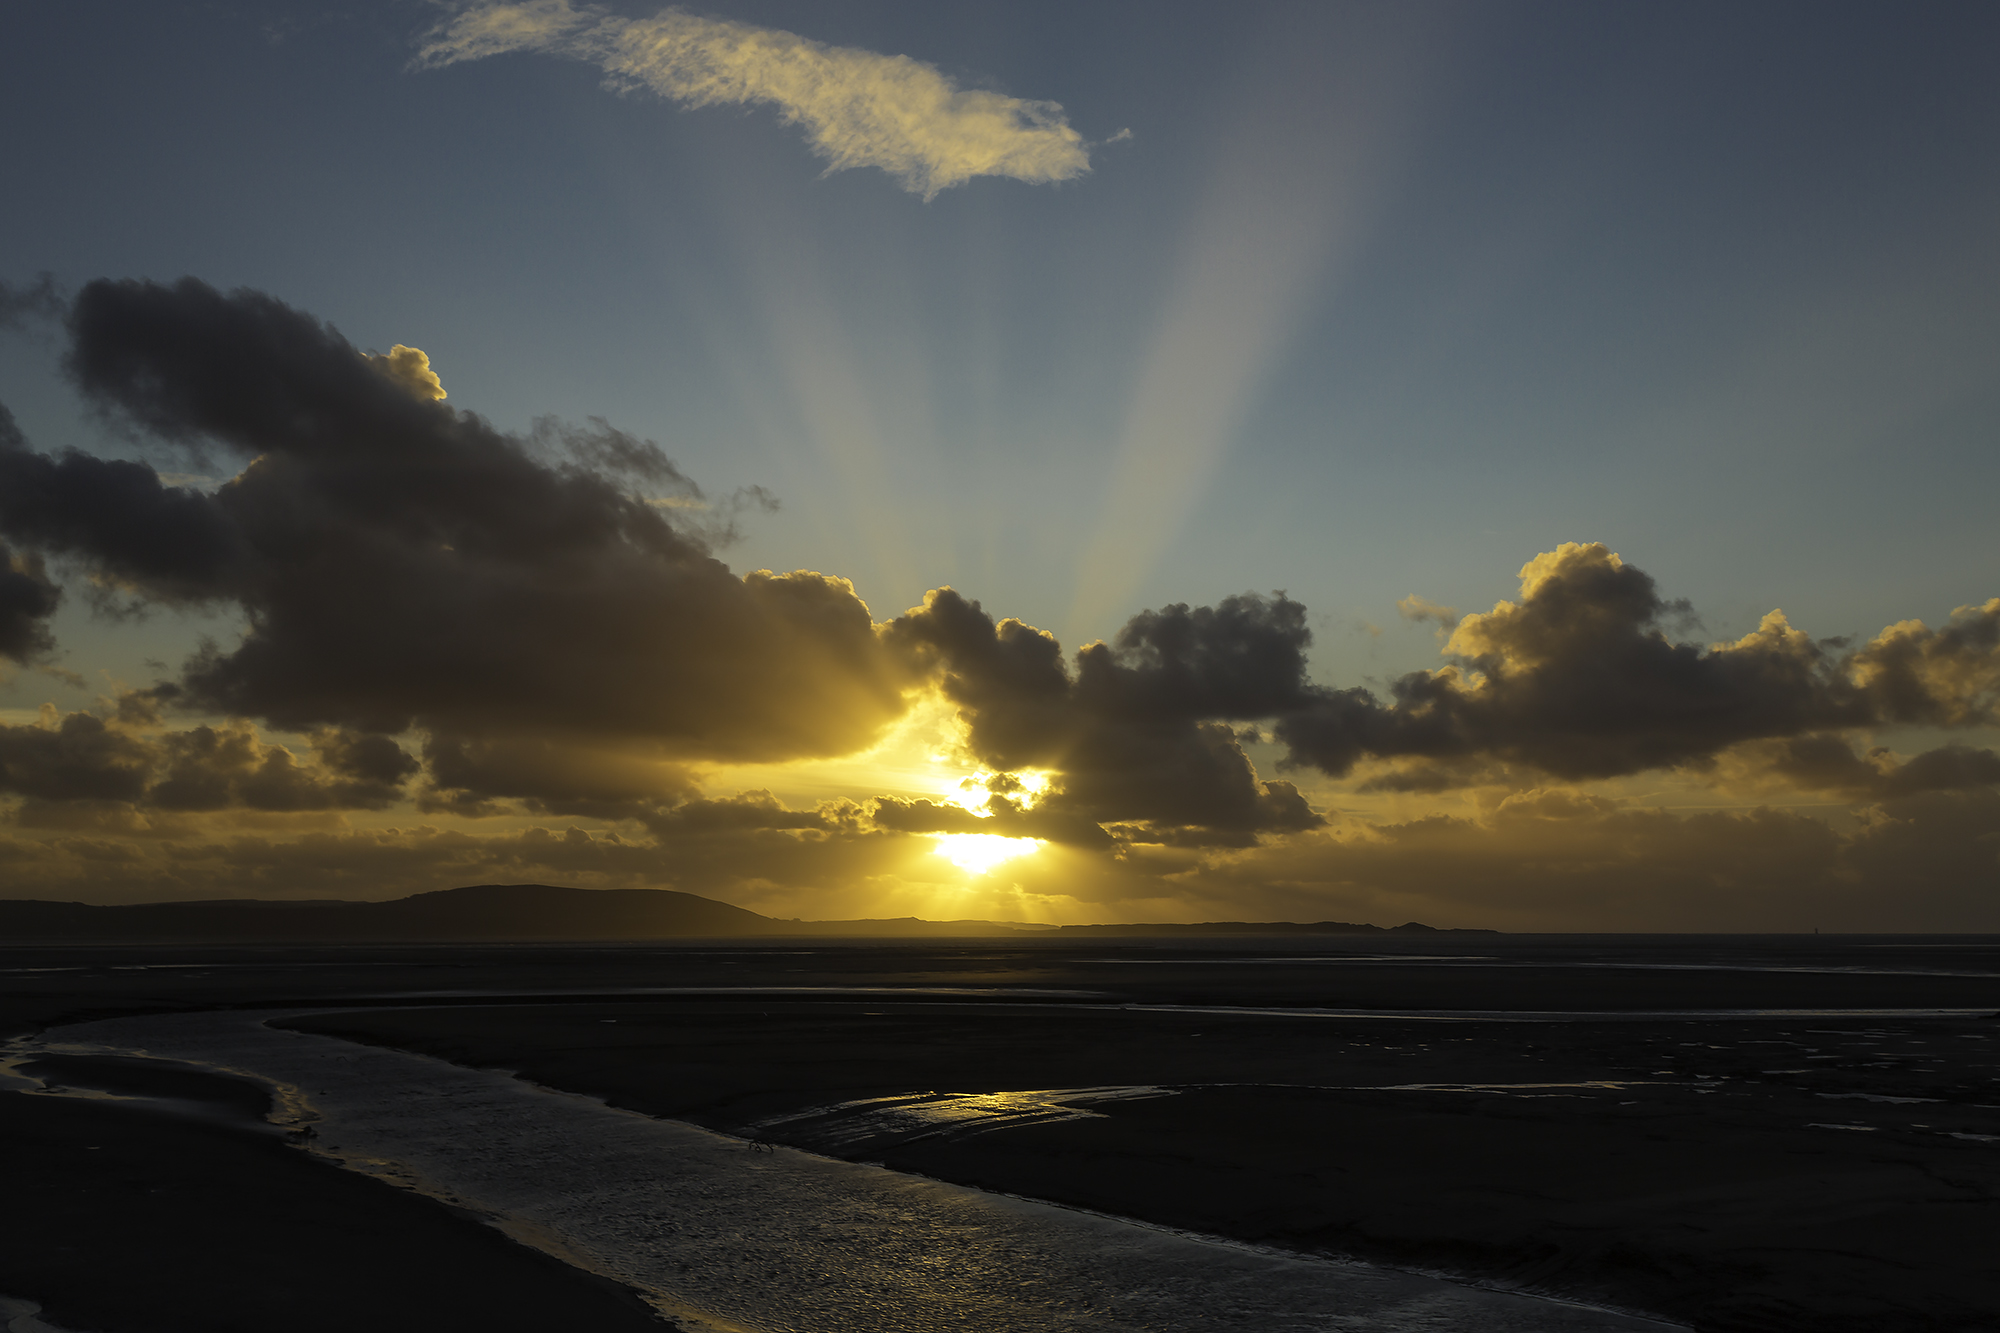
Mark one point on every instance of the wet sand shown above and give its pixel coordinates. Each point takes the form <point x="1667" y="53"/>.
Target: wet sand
<point x="1801" y="1171"/>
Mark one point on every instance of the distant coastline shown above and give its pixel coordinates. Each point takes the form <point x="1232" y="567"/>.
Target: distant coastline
<point x="530" y="913"/>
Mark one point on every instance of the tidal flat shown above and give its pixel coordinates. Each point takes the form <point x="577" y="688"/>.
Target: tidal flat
<point x="1725" y="1133"/>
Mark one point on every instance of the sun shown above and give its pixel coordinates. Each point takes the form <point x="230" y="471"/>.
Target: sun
<point x="980" y="852"/>
<point x="1023" y="788"/>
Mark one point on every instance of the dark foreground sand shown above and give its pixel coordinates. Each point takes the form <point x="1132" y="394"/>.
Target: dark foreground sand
<point x="1809" y="1172"/>
<point x="122" y="1219"/>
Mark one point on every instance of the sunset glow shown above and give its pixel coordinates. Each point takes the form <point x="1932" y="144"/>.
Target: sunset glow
<point x="979" y="853"/>
<point x="1023" y="789"/>
<point x="1240" y="454"/>
<point x="1001" y="605"/>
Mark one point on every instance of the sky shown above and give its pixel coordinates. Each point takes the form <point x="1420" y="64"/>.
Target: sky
<point x="1515" y="465"/>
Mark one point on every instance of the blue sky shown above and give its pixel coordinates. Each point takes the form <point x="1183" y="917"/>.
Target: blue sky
<point x="1371" y="300"/>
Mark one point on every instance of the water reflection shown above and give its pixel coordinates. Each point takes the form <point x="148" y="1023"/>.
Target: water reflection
<point x="874" y="1123"/>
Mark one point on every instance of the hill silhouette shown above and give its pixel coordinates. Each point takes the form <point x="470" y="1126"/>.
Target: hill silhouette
<point x="519" y="913"/>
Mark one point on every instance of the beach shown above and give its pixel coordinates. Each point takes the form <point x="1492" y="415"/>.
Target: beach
<point x="1759" y="1162"/>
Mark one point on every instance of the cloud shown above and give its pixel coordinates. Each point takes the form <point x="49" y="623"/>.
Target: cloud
<point x="42" y="300"/>
<point x="1138" y="735"/>
<point x="1056" y="820"/>
<point x="1828" y="763"/>
<point x="1581" y="680"/>
<point x="858" y="108"/>
<point x="556" y="772"/>
<point x="1421" y="609"/>
<point x="216" y="768"/>
<point x="75" y="758"/>
<point x="404" y="565"/>
<point x="749" y="811"/>
<point x="82" y="757"/>
<point x="27" y="599"/>
<point x="1948" y="677"/>
<point x="409" y="367"/>
<point x="133" y="528"/>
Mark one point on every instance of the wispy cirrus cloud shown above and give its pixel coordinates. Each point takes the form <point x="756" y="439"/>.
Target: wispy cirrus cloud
<point x="858" y="108"/>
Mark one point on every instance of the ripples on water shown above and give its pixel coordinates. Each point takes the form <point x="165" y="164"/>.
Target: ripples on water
<point x="729" y="1240"/>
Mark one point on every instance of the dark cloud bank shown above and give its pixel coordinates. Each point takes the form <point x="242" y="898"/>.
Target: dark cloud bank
<point x="543" y="619"/>
<point x="404" y="566"/>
